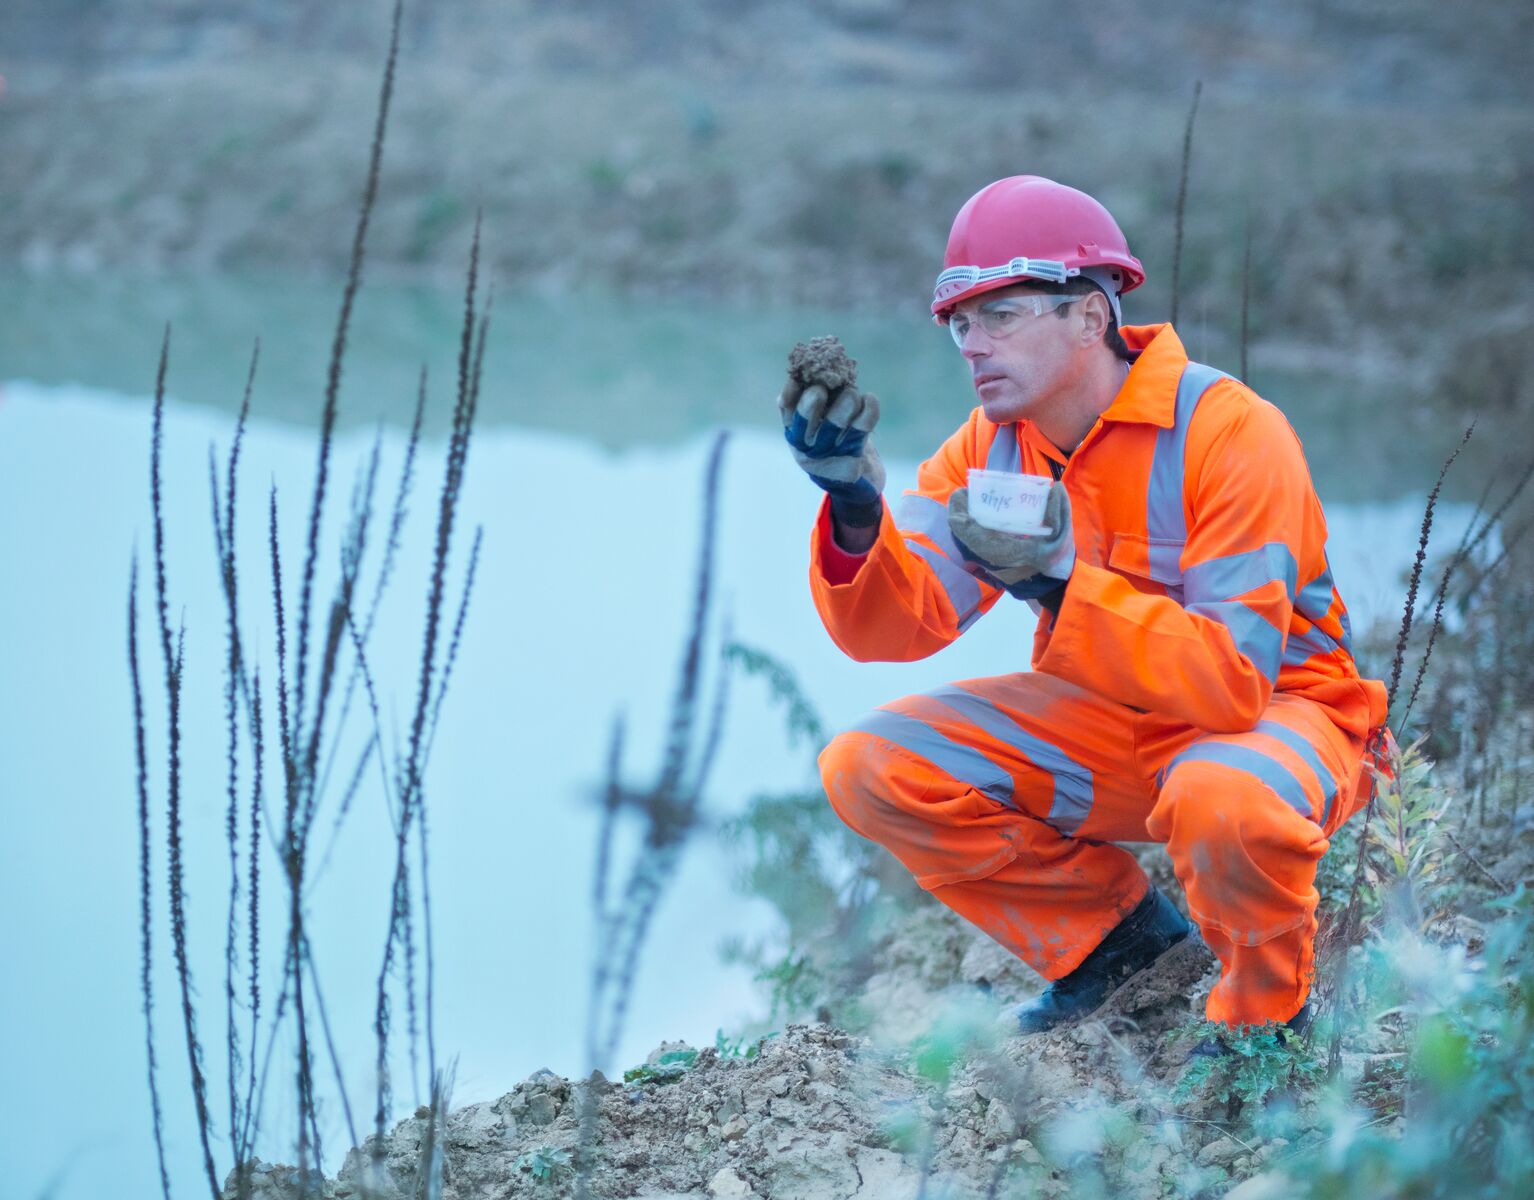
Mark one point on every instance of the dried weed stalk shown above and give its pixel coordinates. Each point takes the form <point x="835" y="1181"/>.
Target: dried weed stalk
<point x="146" y="948"/>
<point x="1182" y="199"/>
<point x="1342" y="932"/>
<point x="1246" y="296"/>
<point x="669" y="811"/>
<point x="308" y="666"/>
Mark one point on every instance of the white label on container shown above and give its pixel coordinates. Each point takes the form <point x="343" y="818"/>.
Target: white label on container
<point x="1007" y="501"/>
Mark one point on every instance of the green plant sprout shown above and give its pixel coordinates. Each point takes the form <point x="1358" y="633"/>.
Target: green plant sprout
<point x="546" y="1163"/>
<point x="738" y="1048"/>
<point x="668" y="1068"/>
<point x="1261" y="1061"/>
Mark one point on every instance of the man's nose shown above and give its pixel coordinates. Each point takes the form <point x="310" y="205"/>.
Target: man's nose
<point x="975" y="344"/>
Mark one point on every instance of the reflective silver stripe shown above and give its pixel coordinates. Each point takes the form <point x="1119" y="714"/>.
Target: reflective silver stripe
<point x="1207" y="586"/>
<point x="1072" y="799"/>
<point x="1254" y="635"/>
<point x="1315" y="598"/>
<point x="1234" y="575"/>
<point x="916" y="513"/>
<point x="1305" y="750"/>
<point x="1255" y="763"/>
<point x="1303" y="645"/>
<point x="1005" y="454"/>
<point x="1313" y="603"/>
<point x="964" y="763"/>
<point x="963" y="592"/>
<point x="1166" y="567"/>
<point x="1165" y="521"/>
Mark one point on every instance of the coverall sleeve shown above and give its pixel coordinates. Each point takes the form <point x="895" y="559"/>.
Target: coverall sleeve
<point x="1208" y="652"/>
<point x="910" y="595"/>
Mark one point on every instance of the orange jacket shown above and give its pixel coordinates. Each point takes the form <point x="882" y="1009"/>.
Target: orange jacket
<point x="1201" y="581"/>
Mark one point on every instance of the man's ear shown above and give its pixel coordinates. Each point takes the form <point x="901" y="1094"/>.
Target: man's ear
<point x="1094" y="317"/>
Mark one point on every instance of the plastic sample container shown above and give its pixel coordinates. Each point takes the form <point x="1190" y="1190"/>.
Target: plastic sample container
<point x="1008" y="501"/>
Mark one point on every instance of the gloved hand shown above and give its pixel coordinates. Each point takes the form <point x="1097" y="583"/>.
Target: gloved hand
<point x="1026" y="566"/>
<point x="829" y="439"/>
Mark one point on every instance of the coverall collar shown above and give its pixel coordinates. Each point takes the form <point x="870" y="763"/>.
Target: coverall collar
<point x="1149" y="394"/>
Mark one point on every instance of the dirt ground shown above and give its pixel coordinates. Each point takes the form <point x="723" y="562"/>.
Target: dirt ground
<point x="935" y="1097"/>
<point x="816" y="1114"/>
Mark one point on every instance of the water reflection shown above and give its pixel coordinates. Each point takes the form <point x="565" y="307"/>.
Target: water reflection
<point x="617" y="371"/>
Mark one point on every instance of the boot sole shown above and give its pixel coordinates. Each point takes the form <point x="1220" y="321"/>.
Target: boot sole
<point x="1183" y="962"/>
<point x="1172" y="972"/>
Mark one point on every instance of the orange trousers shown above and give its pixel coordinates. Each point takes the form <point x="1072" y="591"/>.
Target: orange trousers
<point x="1002" y="796"/>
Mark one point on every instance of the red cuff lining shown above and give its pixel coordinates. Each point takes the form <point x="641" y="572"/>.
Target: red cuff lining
<point x="836" y="564"/>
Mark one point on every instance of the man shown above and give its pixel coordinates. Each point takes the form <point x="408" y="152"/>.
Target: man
<point x="1193" y="682"/>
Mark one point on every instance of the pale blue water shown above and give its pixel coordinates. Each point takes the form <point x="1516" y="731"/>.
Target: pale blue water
<point x="565" y="631"/>
<point x="620" y="373"/>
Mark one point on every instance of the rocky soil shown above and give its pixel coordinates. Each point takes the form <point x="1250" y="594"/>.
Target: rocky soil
<point x="818" y="1114"/>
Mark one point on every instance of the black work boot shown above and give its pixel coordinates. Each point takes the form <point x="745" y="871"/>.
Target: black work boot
<point x="1132" y="945"/>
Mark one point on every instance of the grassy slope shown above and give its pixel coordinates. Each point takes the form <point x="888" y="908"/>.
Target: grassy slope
<point x="1370" y="226"/>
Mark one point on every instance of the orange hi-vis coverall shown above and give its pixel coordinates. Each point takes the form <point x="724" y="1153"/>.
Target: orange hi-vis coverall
<point x="1196" y="688"/>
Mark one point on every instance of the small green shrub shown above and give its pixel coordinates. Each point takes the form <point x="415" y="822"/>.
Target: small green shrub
<point x="904" y="1131"/>
<point x="945" y="1046"/>
<point x="546" y="1163"/>
<point x="1262" y="1060"/>
<point x="796" y="854"/>
<point x="668" y="1068"/>
<point x="1453" y="1113"/>
<point x="802" y="720"/>
<point x="794" y="985"/>
<point x="738" y="1048"/>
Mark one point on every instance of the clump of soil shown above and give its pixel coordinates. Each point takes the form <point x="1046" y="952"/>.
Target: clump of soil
<point x="822" y="360"/>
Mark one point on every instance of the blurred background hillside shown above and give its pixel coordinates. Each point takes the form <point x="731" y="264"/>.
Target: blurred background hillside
<point x="768" y="152"/>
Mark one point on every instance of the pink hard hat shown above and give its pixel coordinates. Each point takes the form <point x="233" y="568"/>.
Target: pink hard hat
<point x="1029" y="227"/>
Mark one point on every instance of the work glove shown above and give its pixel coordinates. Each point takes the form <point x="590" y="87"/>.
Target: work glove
<point x="1027" y="566"/>
<point x="829" y="437"/>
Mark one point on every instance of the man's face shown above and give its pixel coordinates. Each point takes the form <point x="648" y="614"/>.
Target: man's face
<point x="1021" y="363"/>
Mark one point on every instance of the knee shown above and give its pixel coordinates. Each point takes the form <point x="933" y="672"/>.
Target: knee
<point x="1190" y="808"/>
<point x="1209" y="805"/>
<point x="856" y="782"/>
<point x="1245" y="859"/>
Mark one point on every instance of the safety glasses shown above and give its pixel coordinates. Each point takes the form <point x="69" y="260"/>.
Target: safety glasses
<point x="1002" y="318"/>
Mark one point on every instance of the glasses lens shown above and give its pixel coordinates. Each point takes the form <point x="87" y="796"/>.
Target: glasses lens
<point x="999" y="318"/>
<point x="1004" y="316"/>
